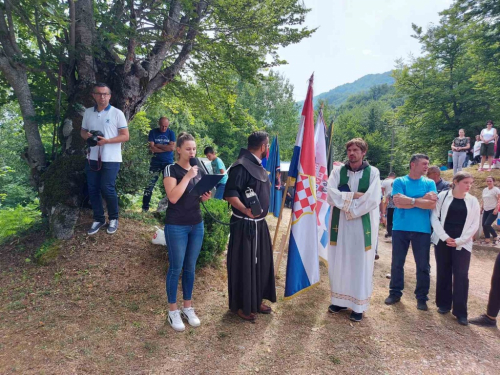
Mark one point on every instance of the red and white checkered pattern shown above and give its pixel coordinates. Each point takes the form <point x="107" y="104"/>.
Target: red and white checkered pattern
<point x="321" y="192"/>
<point x="305" y="200"/>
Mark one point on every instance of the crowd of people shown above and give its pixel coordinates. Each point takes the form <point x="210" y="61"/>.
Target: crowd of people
<point x="418" y="209"/>
<point x="448" y="216"/>
<point x="484" y="151"/>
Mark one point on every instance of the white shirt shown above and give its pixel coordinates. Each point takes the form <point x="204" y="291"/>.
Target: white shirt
<point x="258" y="159"/>
<point x="387" y="186"/>
<point x="489" y="135"/>
<point x="477" y="148"/>
<point x="108" y="121"/>
<point x="471" y="225"/>
<point x="490" y="198"/>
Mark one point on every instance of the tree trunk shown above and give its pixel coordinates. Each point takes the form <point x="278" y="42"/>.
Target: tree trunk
<point x="62" y="188"/>
<point x="62" y="185"/>
<point x="35" y="154"/>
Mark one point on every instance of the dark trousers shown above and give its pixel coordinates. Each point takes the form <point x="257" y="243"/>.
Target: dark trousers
<point x="101" y="183"/>
<point x="390" y="216"/>
<point x="488" y="219"/>
<point x="494" y="300"/>
<point x="452" y="284"/>
<point x="421" y="243"/>
<point x="154" y="172"/>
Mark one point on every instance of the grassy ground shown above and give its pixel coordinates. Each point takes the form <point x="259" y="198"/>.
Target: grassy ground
<point x="99" y="308"/>
<point x="479" y="179"/>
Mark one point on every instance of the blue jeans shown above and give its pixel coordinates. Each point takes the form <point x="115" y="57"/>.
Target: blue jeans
<point x="101" y="184"/>
<point x="183" y="245"/>
<point x="219" y="192"/>
<point x="421" y="243"/>
<point x="154" y="172"/>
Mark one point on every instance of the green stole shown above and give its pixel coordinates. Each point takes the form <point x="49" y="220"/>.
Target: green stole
<point x="364" y="184"/>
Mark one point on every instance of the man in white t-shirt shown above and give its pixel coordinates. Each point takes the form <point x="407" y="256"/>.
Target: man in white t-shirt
<point x="387" y="184"/>
<point x="105" y="157"/>
<point x="387" y="207"/>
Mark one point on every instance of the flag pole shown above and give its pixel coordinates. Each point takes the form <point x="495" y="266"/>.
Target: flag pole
<point x="289" y="180"/>
<point x="283" y="243"/>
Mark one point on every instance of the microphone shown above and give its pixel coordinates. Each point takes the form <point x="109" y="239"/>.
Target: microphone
<point x="192" y="162"/>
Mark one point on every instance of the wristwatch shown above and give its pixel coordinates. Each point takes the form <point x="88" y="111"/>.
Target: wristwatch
<point x="413" y="201"/>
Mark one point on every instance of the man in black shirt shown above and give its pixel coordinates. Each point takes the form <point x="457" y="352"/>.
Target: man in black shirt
<point x="250" y="266"/>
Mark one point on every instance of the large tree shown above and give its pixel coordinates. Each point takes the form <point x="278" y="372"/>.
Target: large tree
<point x="136" y="47"/>
<point x="454" y="84"/>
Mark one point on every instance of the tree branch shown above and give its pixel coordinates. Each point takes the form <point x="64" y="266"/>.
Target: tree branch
<point x="171" y="31"/>
<point x="169" y="73"/>
<point x="130" y="57"/>
<point x="12" y="34"/>
<point x="20" y="12"/>
<point x="84" y="36"/>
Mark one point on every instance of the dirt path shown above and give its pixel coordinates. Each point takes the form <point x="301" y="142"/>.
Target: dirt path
<point x="100" y="309"/>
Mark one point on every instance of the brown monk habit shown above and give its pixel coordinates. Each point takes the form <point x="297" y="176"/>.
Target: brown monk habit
<point x="250" y="268"/>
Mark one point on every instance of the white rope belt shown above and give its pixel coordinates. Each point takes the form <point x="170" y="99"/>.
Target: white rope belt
<point x="247" y="218"/>
<point x="256" y="230"/>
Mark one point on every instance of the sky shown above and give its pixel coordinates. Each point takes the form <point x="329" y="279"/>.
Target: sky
<point x="355" y="38"/>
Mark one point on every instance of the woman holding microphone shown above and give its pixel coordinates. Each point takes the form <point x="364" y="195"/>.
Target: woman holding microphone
<point x="183" y="230"/>
<point x="455" y="220"/>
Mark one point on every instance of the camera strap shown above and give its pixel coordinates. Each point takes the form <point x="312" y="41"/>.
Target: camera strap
<point x="99" y="162"/>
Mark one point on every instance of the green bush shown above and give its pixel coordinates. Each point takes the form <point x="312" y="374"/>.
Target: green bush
<point x="216" y="235"/>
<point x="18" y="219"/>
<point x="134" y="170"/>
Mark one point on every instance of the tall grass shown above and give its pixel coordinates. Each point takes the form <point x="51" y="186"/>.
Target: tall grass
<point x="18" y="219"/>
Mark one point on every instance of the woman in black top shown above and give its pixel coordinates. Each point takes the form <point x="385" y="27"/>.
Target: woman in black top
<point x="455" y="220"/>
<point x="183" y="230"/>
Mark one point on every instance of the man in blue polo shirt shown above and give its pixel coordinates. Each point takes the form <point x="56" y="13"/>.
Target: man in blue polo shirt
<point x="162" y="144"/>
<point x="414" y="197"/>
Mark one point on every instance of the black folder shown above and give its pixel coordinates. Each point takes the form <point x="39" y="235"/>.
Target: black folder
<point x="206" y="184"/>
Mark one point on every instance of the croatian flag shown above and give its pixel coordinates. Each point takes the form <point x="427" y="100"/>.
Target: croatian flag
<point x="322" y="206"/>
<point x="302" y="270"/>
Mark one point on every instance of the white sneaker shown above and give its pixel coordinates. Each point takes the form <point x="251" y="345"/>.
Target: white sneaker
<point x="174" y="318"/>
<point x="189" y="314"/>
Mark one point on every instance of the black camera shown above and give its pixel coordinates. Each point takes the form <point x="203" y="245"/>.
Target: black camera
<point x="92" y="140"/>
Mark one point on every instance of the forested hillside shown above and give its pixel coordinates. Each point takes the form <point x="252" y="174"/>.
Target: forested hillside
<point x="372" y="116"/>
<point x="453" y="85"/>
<point x="340" y="94"/>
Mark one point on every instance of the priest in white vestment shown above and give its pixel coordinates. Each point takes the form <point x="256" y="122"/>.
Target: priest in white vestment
<point x="354" y="193"/>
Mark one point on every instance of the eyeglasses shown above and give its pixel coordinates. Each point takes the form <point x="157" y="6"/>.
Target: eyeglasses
<point x="101" y="94"/>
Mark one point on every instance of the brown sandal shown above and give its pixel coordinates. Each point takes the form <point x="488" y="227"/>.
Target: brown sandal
<point x="249" y="318"/>
<point x="265" y="309"/>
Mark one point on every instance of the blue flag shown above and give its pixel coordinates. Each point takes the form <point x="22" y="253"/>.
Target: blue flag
<point x="273" y="167"/>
